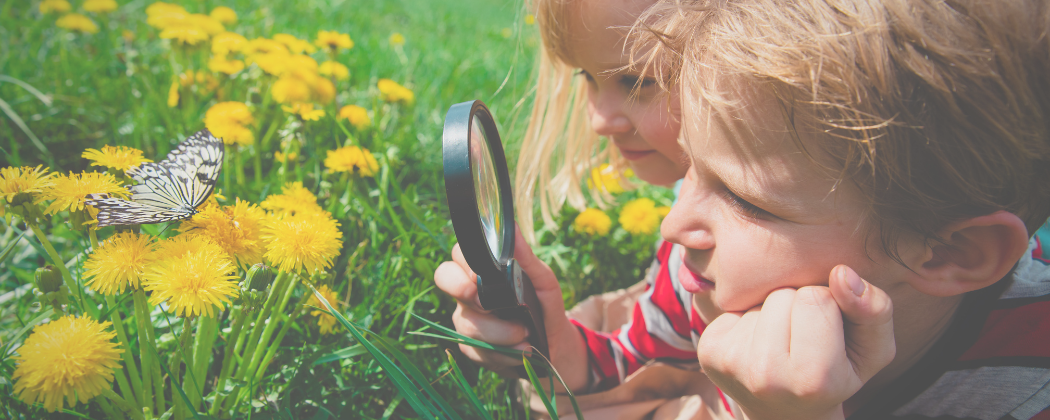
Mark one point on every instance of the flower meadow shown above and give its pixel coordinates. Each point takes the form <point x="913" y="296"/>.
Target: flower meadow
<point x="303" y="286"/>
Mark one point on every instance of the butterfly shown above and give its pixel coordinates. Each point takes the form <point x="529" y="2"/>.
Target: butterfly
<point x="167" y="190"/>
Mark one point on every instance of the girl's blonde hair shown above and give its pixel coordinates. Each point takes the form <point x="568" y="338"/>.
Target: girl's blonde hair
<point x="559" y="146"/>
<point x="936" y="110"/>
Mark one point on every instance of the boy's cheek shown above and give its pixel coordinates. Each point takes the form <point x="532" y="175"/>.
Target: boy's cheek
<point x="705" y="306"/>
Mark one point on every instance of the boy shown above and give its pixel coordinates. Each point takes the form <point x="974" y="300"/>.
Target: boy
<point x="857" y="222"/>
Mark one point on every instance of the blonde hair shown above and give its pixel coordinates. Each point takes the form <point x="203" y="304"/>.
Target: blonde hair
<point x="935" y="110"/>
<point x="559" y="146"/>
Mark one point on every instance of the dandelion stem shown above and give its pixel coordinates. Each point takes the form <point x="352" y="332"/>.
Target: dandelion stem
<point x="257" y="163"/>
<point x="239" y="163"/>
<point x="270" y="327"/>
<point x="227" y="358"/>
<point x="150" y="368"/>
<point x="129" y="360"/>
<point x="280" y="335"/>
<point x="125" y="406"/>
<point x="204" y="340"/>
<point x="276" y="291"/>
<point x="57" y="261"/>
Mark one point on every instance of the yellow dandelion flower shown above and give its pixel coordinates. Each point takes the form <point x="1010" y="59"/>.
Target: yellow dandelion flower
<point x="333" y="40"/>
<point x="592" y="222"/>
<point x="119" y="262"/>
<point x="290" y="90"/>
<point x="24" y="180"/>
<point x="324" y="91"/>
<point x="185" y="34"/>
<point x="158" y="8"/>
<point x="193" y="280"/>
<point x="530" y="19"/>
<point x="221" y="64"/>
<point x="663" y="211"/>
<point x="120" y="158"/>
<point x="605" y="178"/>
<point x="640" y="216"/>
<point x="235" y="228"/>
<point x="227" y="42"/>
<point x="273" y="63"/>
<point x="295" y="45"/>
<point x="229" y="121"/>
<point x="305" y="111"/>
<point x="307" y="241"/>
<point x="351" y="159"/>
<point x="391" y="91"/>
<point x="127" y="35"/>
<point x="181" y="245"/>
<point x="357" y="116"/>
<point x="224" y="15"/>
<point x="70" y="191"/>
<point x="163" y="16"/>
<point x="100" y="6"/>
<point x="293" y="200"/>
<point x="281" y="157"/>
<point x="56" y="6"/>
<point x="77" y="22"/>
<point x="206" y="23"/>
<point x="264" y="46"/>
<point x="68" y="359"/>
<point x="334" y="69"/>
<point x="324" y="320"/>
<point x="173" y="94"/>
<point x="397" y="39"/>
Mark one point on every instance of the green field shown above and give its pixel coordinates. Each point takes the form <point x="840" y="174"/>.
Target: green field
<point x="64" y="91"/>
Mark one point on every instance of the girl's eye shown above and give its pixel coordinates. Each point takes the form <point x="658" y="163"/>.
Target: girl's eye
<point x="630" y="81"/>
<point x="748" y="209"/>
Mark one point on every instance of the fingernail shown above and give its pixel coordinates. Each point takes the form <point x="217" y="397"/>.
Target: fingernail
<point x="855" y="283"/>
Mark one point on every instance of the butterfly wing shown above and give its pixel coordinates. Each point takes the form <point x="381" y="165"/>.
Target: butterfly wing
<point x="199" y="160"/>
<point x="120" y="212"/>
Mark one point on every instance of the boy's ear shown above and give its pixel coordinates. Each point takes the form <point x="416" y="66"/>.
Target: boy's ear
<point x="975" y="253"/>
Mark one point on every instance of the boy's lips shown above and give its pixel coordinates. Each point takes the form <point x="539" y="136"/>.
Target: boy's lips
<point x="635" y="154"/>
<point x="692" y="282"/>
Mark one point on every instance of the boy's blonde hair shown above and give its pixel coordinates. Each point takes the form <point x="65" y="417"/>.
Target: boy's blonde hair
<point x="559" y="146"/>
<point x="936" y="110"/>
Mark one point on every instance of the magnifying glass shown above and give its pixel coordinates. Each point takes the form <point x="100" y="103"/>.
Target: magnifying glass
<point x="481" y="205"/>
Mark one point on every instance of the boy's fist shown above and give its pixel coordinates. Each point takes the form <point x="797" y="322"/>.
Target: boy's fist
<point x="803" y="352"/>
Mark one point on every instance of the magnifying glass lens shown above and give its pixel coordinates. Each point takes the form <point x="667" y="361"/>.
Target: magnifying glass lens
<point x="486" y="183"/>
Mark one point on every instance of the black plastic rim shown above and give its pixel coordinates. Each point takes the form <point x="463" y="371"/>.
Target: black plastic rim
<point x="460" y="191"/>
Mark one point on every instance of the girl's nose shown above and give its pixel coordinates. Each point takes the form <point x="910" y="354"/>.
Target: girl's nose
<point x="606" y="112"/>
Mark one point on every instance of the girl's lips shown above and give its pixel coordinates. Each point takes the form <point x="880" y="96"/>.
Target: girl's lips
<point x="635" y="154"/>
<point x="692" y="282"/>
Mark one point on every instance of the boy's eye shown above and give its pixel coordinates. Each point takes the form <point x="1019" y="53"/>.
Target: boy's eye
<point x="748" y="209"/>
<point x="582" y="72"/>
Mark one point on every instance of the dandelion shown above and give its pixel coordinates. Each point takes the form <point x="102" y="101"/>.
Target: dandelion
<point x="224" y="15"/>
<point x="100" y="6"/>
<point x="221" y="64"/>
<point x="159" y="8"/>
<point x="205" y="22"/>
<point x="325" y="320"/>
<point x="290" y="90"/>
<point x="77" y="22"/>
<point x="397" y="39"/>
<point x="56" y="6"/>
<point x="357" y="116"/>
<point x="334" y="69"/>
<point x="119" y="262"/>
<point x="164" y="15"/>
<point x="324" y="91"/>
<point x="185" y="34"/>
<point x="307" y="241"/>
<point x="229" y="121"/>
<point x="237" y="229"/>
<point x="293" y="200"/>
<point x="26" y="182"/>
<point x="264" y="46"/>
<point x="281" y="157"/>
<point x="391" y="91"/>
<point x="173" y="94"/>
<point x="120" y="158"/>
<point x="351" y="159"/>
<point x="305" y="111"/>
<point x="333" y="41"/>
<point x="295" y="45"/>
<point x="227" y="42"/>
<point x="605" y="178"/>
<point x="592" y="222"/>
<point x="640" y="216"/>
<point x="70" y="191"/>
<point x="67" y="359"/>
<point x="194" y="276"/>
<point x="530" y="19"/>
<point x="274" y="63"/>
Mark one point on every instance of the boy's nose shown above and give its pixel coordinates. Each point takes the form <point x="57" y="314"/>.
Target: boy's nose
<point x="686" y="223"/>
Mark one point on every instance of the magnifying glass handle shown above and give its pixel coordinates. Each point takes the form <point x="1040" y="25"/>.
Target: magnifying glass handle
<point x="529" y="313"/>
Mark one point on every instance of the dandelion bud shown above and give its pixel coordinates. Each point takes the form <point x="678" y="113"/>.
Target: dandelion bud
<point x="48" y="279"/>
<point x="259" y="277"/>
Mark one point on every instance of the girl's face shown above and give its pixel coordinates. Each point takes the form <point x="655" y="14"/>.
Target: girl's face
<point x="755" y="214"/>
<point x="644" y="128"/>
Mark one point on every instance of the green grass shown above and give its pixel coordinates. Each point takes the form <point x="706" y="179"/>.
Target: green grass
<point x="102" y="89"/>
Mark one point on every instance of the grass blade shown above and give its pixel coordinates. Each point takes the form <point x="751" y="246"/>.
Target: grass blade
<point x="536" y="385"/>
<point x="462" y="382"/>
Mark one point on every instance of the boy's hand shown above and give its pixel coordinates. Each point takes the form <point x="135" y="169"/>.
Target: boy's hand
<point x="566" y="345"/>
<point x="803" y="352"/>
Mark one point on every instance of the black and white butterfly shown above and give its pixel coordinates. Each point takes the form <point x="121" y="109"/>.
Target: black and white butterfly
<point x="167" y="190"/>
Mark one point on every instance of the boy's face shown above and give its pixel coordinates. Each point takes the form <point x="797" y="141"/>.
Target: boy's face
<point x="756" y="214"/>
